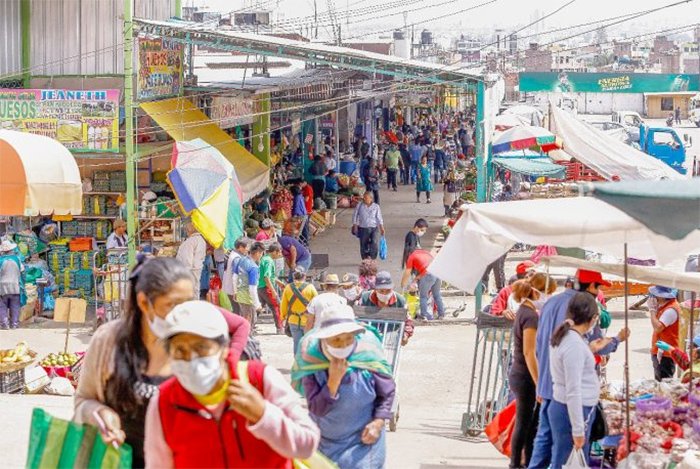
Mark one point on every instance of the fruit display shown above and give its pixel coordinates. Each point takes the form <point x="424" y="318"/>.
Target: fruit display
<point x="20" y="354"/>
<point x="60" y="359"/>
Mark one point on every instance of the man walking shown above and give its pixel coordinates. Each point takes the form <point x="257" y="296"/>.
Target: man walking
<point x="368" y="225"/>
<point x="392" y="161"/>
<point x="192" y="252"/>
<point x="247" y="289"/>
<point x="405" y="164"/>
<point x="677" y="114"/>
<point x="384" y="296"/>
<point x="230" y="280"/>
<point x="417" y="264"/>
<point x="295" y="298"/>
<point x="267" y="283"/>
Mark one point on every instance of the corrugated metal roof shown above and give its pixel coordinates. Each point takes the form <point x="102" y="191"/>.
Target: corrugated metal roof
<point x="10" y="38"/>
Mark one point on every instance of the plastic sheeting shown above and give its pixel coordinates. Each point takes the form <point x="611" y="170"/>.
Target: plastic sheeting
<point x="532" y="167"/>
<point x="606" y="155"/>
<point x="487" y="231"/>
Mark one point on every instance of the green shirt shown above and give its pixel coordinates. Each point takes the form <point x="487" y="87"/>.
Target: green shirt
<point x="392" y="159"/>
<point x="267" y="270"/>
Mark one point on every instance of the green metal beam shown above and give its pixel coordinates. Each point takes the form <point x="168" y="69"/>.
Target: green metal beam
<point x="131" y="194"/>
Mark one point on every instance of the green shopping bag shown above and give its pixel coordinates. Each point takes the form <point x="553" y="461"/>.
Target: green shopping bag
<point x="58" y="443"/>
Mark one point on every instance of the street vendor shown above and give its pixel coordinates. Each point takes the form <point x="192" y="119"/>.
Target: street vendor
<point x="682" y="359"/>
<point x="383" y="295"/>
<point x="664" y="314"/>
<point x="118" y="237"/>
<point x="11" y="285"/>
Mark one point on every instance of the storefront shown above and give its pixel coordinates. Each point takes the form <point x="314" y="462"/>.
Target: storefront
<point x="661" y="105"/>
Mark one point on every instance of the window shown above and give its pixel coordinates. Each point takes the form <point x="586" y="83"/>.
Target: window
<point x="667" y="104"/>
<point x="663" y="138"/>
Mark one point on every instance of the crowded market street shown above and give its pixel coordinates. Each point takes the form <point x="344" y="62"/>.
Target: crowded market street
<point x="435" y="368"/>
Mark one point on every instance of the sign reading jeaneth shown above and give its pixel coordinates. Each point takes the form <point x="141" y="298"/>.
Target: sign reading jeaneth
<point x="607" y="82"/>
<point x="159" y="69"/>
<point x="82" y="120"/>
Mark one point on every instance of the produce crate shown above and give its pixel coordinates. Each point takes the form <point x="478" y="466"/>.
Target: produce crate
<point x="80" y="244"/>
<point x="12" y="382"/>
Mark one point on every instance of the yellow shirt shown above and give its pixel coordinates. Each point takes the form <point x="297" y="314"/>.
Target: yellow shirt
<point x="297" y="308"/>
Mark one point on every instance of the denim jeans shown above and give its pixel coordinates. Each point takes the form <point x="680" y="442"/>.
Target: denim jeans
<point x="10" y="306"/>
<point x="306" y="264"/>
<point x="562" y="441"/>
<point x="426" y="284"/>
<point x="542" y="448"/>
<point x="297" y="334"/>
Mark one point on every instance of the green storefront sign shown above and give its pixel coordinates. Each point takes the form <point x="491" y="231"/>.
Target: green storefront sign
<point x="607" y="82"/>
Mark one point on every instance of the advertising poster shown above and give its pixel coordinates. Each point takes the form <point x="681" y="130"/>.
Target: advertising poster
<point x="230" y="111"/>
<point x="607" y="82"/>
<point x="82" y="120"/>
<point x="159" y="69"/>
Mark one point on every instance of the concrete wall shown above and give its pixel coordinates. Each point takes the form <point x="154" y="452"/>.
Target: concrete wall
<point x="594" y="103"/>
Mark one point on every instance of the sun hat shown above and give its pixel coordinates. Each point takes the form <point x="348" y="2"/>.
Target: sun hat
<point x="331" y="279"/>
<point x="196" y="317"/>
<point x="349" y="279"/>
<point x="663" y="292"/>
<point x="588" y="276"/>
<point x="383" y="281"/>
<point x="336" y="321"/>
<point x="7" y="245"/>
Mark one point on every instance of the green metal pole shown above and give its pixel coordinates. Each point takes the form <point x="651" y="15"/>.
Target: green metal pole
<point x="481" y="172"/>
<point x="25" y="18"/>
<point x="131" y="199"/>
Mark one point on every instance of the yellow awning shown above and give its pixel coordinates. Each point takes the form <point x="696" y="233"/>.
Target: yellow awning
<point x="182" y="120"/>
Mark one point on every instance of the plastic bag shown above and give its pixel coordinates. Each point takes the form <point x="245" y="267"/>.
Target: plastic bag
<point x="577" y="460"/>
<point x="500" y="430"/>
<point x="383" y="249"/>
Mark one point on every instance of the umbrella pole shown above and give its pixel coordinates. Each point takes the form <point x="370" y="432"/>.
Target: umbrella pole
<point x="627" y="360"/>
<point x="691" y="334"/>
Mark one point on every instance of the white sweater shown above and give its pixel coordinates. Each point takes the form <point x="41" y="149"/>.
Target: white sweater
<point x="574" y="377"/>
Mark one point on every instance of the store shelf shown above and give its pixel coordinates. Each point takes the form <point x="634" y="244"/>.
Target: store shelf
<point x="94" y="217"/>
<point x="102" y="193"/>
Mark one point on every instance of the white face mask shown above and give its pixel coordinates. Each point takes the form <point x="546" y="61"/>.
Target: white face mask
<point x="158" y="326"/>
<point x="340" y="353"/>
<point x="539" y="303"/>
<point x="384" y="298"/>
<point x="653" y="303"/>
<point x="350" y="293"/>
<point x="199" y="375"/>
<point x="420" y="233"/>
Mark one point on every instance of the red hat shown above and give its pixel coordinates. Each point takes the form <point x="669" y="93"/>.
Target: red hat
<point x="588" y="276"/>
<point x="523" y="267"/>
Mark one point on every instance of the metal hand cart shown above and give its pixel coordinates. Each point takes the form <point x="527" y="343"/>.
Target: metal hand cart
<point x="390" y="323"/>
<point x="319" y="266"/>
<point x="110" y="286"/>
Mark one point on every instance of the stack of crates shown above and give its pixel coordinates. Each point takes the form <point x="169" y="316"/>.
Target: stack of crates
<point x="117" y="181"/>
<point x="100" y="181"/>
<point x="94" y="205"/>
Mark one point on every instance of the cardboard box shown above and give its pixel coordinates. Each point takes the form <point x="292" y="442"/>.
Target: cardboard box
<point x="75" y="308"/>
<point x="35" y="379"/>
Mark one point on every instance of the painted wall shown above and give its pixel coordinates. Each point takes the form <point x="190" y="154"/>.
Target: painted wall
<point x="654" y="110"/>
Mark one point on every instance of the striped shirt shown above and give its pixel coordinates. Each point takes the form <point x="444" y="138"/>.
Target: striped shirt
<point x="367" y="216"/>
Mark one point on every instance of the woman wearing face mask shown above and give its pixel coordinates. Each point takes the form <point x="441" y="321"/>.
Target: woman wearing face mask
<point x="348" y="386"/>
<point x="350" y="288"/>
<point x="220" y="412"/>
<point x="575" y="381"/>
<point x="412" y="240"/>
<point x="544" y="287"/>
<point x="125" y="361"/>
<point x="523" y="371"/>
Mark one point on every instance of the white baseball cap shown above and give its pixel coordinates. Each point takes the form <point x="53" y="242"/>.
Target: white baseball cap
<point x="196" y="317"/>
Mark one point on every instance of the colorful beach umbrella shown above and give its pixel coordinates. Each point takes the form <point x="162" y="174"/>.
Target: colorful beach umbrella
<point x="521" y="138"/>
<point x="207" y="188"/>
<point x="508" y="121"/>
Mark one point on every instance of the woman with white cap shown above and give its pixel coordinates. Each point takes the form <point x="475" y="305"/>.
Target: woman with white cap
<point x="218" y="411"/>
<point x="349" y="388"/>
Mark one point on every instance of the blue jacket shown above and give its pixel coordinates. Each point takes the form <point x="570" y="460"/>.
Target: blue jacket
<point x="552" y="315"/>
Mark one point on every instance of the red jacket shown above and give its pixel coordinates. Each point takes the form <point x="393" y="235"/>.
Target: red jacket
<point x="501" y="301"/>
<point x="197" y="439"/>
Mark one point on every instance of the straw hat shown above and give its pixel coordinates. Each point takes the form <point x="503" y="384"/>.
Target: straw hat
<point x="336" y="321"/>
<point x="331" y="279"/>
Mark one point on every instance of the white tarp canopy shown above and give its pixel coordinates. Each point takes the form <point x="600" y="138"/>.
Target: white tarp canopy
<point x="687" y="281"/>
<point x="487" y="231"/>
<point x="605" y="154"/>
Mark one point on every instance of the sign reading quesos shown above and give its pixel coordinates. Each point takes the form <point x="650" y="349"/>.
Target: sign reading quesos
<point x="82" y="120"/>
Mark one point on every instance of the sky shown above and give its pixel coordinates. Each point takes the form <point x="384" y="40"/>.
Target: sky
<point x="507" y="14"/>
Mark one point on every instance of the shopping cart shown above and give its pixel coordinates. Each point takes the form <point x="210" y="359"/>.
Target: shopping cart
<point x="110" y="286"/>
<point x="389" y="322"/>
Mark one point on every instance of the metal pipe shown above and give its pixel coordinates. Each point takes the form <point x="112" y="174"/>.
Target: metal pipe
<point x="627" y="359"/>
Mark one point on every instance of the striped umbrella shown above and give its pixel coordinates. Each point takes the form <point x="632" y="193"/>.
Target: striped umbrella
<point x="207" y="188"/>
<point x="521" y="138"/>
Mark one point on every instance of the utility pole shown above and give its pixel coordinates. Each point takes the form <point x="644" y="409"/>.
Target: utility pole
<point x="131" y="202"/>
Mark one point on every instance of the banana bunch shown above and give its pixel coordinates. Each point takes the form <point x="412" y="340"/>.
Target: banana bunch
<point x="17" y="355"/>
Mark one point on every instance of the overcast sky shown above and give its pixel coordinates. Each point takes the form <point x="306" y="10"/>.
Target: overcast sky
<point x="500" y="13"/>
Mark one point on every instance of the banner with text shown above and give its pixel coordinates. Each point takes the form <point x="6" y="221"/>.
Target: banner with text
<point x="82" y="120"/>
<point x="230" y="111"/>
<point x="607" y="82"/>
<point x="159" y="68"/>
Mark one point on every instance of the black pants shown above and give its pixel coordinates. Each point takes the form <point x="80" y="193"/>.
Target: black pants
<point x="369" y="242"/>
<point x="375" y="195"/>
<point x="663" y="369"/>
<point x="318" y="185"/>
<point x="391" y="178"/>
<point x="499" y="273"/>
<point x="526" y="420"/>
<point x="406" y="174"/>
<point x="427" y="194"/>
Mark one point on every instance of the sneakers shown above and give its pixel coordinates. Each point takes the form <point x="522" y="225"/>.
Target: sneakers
<point x="428" y="201"/>
<point x="280" y="331"/>
<point x="4" y="327"/>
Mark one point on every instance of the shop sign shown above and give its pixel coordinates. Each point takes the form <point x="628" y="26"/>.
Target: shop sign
<point x="417" y="99"/>
<point x="230" y="111"/>
<point x="607" y="82"/>
<point x="159" y="68"/>
<point x="82" y="120"/>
